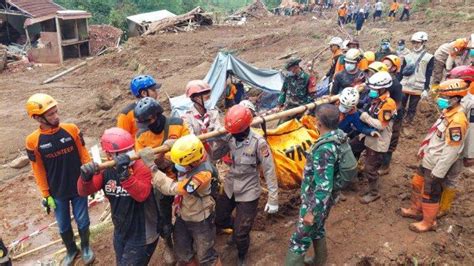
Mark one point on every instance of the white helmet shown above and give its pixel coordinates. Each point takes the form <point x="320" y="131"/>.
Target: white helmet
<point x="420" y="36"/>
<point x="336" y="41"/>
<point x="344" y="44"/>
<point x="349" y="97"/>
<point x="380" y="80"/>
<point x="249" y="105"/>
<point x="353" y="56"/>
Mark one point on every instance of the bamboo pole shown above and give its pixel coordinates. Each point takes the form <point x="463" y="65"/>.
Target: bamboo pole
<point x="65" y="72"/>
<point x="256" y="121"/>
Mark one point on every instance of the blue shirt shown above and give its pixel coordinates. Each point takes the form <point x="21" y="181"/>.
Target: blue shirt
<point x="351" y="123"/>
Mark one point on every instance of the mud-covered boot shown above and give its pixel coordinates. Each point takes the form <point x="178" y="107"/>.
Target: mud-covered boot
<point x="447" y="198"/>
<point x="241" y="259"/>
<point x="72" y="250"/>
<point x="414" y="211"/>
<point x="320" y="253"/>
<point x="430" y="210"/>
<point x="372" y="195"/>
<point x="385" y="168"/>
<point x="87" y="254"/>
<point x="293" y="259"/>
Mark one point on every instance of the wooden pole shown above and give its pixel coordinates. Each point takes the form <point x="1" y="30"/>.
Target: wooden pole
<point x="65" y="72"/>
<point x="256" y="121"/>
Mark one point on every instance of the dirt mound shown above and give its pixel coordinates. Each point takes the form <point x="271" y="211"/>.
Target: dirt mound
<point x="103" y="36"/>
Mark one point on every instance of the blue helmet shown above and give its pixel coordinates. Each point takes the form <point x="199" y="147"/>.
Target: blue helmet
<point x="145" y="108"/>
<point x="141" y="82"/>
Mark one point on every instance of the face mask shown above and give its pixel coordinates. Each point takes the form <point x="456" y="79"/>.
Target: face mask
<point x="373" y="94"/>
<point x="180" y="168"/>
<point x="344" y="109"/>
<point x="350" y="66"/>
<point x="401" y="47"/>
<point x="471" y="53"/>
<point x="239" y="137"/>
<point x="159" y="124"/>
<point x="290" y="74"/>
<point x="385" y="46"/>
<point x="442" y="103"/>
<point x="418" y="49"/>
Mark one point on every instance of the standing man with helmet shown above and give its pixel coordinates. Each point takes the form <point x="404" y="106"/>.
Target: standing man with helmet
<point x="335" y="46"/>
<point x="140" y="87"/>
<point x="194" y="230"/>
<point x="155" y="130"/>
<point x="416" y="75"/>
<point x="249" y="152"/>
<point x="380" y="116"/>
<point x="297" y="89"/>
<point x="445" y="54"/>
<point x="128" y="188"/>
<point x="351" y="75"/>
<point x="56" y="152"/>
<point x="402" y="50"/>
<point x="384" y="50"/>
<point x="440" y="153"/>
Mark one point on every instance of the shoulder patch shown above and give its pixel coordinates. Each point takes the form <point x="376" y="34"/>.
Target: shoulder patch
<point x="264" y="150"/>
<point x="455" y="134"/>
<point x="128" y="108"/>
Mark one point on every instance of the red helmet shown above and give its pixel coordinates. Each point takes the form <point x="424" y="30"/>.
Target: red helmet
<point x="116" y="140"/>
<point x="196" y="87"/>
<point x="238" y="119"/>
<point x="465" y="73"/>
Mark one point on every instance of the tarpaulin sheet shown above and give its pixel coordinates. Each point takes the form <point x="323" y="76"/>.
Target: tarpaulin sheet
<point x="289" y="143"/>
<point x="268" y="80"/>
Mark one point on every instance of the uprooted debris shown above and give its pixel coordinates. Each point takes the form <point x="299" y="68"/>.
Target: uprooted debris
<point x="256" y="10"/>
<point x="186" y="22"/>
<point x="103" y="37"/>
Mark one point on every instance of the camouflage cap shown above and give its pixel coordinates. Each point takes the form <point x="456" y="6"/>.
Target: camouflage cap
<point x="292" y="62"/>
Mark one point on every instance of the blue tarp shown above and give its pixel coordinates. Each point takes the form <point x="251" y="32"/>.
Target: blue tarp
<point x="268" y="80"/>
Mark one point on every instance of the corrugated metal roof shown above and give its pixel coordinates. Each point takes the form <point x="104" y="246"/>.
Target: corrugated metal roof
<point x="36" y="8"/>
<point x="151" y="16"/>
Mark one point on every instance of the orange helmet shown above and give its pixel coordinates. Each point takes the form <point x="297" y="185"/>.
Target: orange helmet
<point x="460" y="44"/>
<point x="453" y="87"/>
<point x="395" y="61"/>
<point x="237" y="119"/>
<point x="39" y="103"/>
<point x="197" y="87"/>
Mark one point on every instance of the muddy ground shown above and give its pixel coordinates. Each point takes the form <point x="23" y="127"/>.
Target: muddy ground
<point x="92" y="97"/>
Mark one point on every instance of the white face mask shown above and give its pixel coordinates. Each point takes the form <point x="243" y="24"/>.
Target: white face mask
<point x="344" y="109"/>
<point x="180" y="168"/>
<point x="419" y="49"/>
<point x="131" y="153"/>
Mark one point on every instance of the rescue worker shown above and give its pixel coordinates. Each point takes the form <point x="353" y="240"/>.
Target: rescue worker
<point x="393" y="11"/>
<point x="378" y="10"/>
<point x="393" y="64"/>
<point x="349" y="118"/>
<point x="198" y="119"/>
<point x="364" y="99"/>
<point x="230" y="92"/>
<point x="317" y="194"/>
<point x="441" y="157"/>
<point x="140" y="87"/>
<point x="297" y="89"/>
<point x="379" y="116"/>
<point x="351" y="75"/>
<point x="444" y="54"/>
<point x="57" y="151"/>
<point x="4" y="255"/>
<point x="362" y="63"/>
<point x="194" y="229"/>
<point x="406" y="10"/>
<point x="384" y="50"/>
<point x="416" y="75"/>
<point x="402" y="50"/>
<point x="359" y="21"/>
<point x="342" y="14"/>
<point x="155" y="130"/>
<point x="128" y="188"/>
<point x="249" y="152"/>
<point x="335" y="46"/>
<point x="367" y="8"/>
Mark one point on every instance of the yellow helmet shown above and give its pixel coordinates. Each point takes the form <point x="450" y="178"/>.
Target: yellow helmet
<point x="370" y="56"/>
<point x="187" y="150"/>
<point x="39" y="103"/>
<point x="378" y="66"/>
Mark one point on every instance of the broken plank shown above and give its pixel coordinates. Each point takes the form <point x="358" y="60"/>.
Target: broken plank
<point x="69" y="70"/>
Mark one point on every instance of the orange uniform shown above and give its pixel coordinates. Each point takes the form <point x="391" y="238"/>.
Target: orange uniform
<point x="126" y="120"/>
<point x="342" y="12"/>
<point x="174" y="129"/>
<point x="56" y="156"/>
<point x="394" y="6"/>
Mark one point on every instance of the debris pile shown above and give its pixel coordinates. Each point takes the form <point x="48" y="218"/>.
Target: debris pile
<point x="182" y="23"/>
<point x="3" y="57"/>
<point x="256" y="10"/>
<point x="103" y="37"/>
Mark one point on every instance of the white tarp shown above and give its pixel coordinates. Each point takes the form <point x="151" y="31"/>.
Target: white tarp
<point x="268" y="80"/>
<point x="151" y="16"/>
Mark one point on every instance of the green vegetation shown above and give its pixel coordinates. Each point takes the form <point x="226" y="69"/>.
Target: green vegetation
<point x="114" y="12"/>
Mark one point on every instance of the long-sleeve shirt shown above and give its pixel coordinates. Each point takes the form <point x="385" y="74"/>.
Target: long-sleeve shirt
<point x="56" y="156"/>
<point x="350" y="123"/>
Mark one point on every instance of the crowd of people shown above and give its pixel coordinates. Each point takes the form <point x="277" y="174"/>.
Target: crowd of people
<point x="179" y="196"/>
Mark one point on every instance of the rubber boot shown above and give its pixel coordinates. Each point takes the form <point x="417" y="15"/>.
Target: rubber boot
<point x="293" y="259"/>
<point x="87" y="254"/>
<point x="385" y="168"/>
<point x="241" y="259"/>
<point x="414" y="211"/>
<point x="320" y="253"/>
<point x="372" y="195"/>
<point x="430" y="210"/>
<point x="72" y="251"/>
<point x="447" y="198"/>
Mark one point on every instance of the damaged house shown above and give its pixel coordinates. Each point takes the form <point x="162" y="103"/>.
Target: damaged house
<point x="48" y="32"/>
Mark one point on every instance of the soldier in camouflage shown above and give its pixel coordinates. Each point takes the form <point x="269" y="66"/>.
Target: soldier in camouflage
<point x="298" y="87"/>
<point x="316" y="193"/>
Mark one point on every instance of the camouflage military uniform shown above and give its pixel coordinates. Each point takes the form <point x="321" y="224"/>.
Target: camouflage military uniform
<point x="316" y="194"/>
<point x="295" y="91"/>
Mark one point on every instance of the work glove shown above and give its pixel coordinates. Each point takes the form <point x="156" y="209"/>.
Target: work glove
<point x="48" y="204"/>
<point x="88" y="170"/>
<point x="148" y="156"/>
<point x="424" y="94"/>
<point x="122" y="162"/>
<point x="271" y="208"/>
<point x="375" y="134"/>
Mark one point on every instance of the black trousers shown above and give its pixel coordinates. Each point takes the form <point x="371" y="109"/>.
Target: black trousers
<point x="406" y="12"/>
<point x="409" y="104"/>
